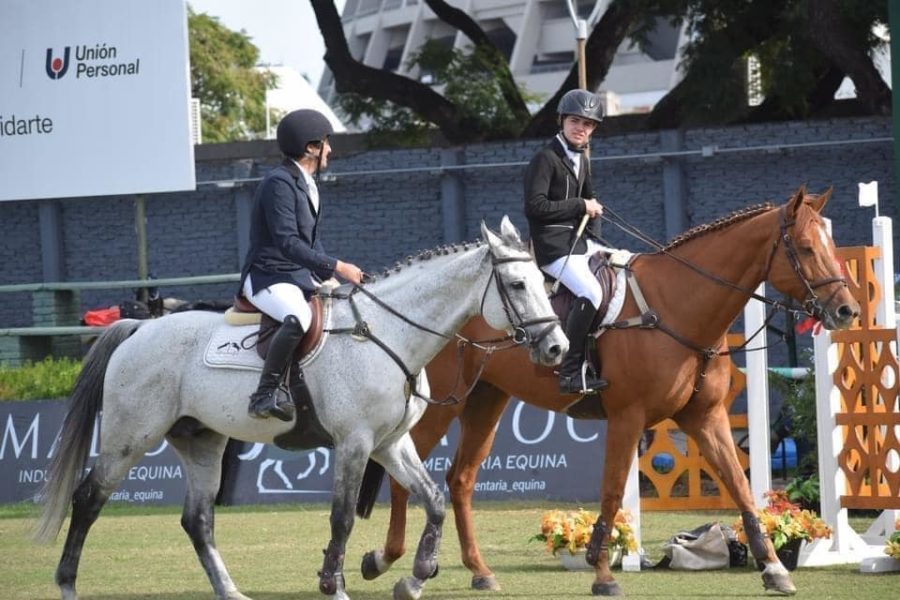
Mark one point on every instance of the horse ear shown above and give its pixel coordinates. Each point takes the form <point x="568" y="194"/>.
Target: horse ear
<point x="489" y="236"/>
<point x="796" y="202"/>
<point x="509" y="232"/>
<point x="819" y="203"/>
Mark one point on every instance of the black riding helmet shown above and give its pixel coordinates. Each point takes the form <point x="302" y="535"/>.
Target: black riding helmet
<point x="580" y="103"/>
<point x="299" y="128"/>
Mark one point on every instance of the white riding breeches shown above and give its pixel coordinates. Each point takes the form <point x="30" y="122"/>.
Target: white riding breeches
<point x="577" y="275"/>
<point x="280" y="300"/>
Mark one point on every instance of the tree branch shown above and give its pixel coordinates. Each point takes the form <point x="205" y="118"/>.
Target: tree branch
<point x="472" y="30"/>
<point x="350" y="75"/>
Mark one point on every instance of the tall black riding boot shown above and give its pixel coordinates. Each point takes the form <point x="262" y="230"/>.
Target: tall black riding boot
<point x="574" y="377"/>
<point x="267" y="400"/>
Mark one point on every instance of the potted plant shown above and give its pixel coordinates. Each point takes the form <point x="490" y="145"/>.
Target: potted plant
<point x="892" y="545"/>
<point x="571" y="531"/>
<point x="787" y="525"/>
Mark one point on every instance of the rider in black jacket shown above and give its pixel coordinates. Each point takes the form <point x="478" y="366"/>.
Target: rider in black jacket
<point x="286" y="261"/>
<point x="558" y="193"/>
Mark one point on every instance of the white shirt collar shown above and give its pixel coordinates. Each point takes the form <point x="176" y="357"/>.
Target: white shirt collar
<point x="575" y="157"/>
<point x="311" y="185"/>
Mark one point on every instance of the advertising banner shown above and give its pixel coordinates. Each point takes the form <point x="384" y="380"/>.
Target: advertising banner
<point x="94" y="98"/>
<point x="536" y="455"/>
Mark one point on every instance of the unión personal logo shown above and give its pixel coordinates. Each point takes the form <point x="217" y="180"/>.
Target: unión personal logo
<point x="57" y="67"/>
<point x="97" y="61"/>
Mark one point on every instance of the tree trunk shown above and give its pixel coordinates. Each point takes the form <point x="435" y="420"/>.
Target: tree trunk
<point x="350" y="75"/>
<point x="833" y="39"/>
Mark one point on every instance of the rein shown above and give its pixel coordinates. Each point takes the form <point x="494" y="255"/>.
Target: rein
<point x="649" y="319"/>
<point x="520" y="335"/>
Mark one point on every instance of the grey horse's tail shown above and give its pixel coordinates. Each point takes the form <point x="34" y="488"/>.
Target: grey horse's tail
<point x="66" y="469"/>
<point x="368" y="492"/>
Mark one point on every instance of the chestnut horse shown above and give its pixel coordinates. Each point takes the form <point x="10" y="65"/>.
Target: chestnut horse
<point x="697" y="286"/>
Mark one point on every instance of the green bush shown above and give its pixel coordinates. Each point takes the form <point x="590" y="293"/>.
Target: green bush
<point x="49" y="378"/>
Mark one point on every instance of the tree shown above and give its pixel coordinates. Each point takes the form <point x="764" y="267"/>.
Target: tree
<point x="232" y="93"/>
<point x="454" y="120"/>
<point x="804" y="47"/>
<point x="802" y="64"/>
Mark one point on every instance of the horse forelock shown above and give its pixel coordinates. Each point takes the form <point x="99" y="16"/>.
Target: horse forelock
<point x="719" y="224"/>
<point x="807" y="216"/>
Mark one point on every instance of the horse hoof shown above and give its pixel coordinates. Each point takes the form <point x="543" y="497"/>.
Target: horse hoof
<point x="67" y="593"/>
<point x="485" y="583"/>
<point x="408" y="588"/>
<point x="779" y="583"/>
<point x="373" y="565"/>
<point x="236" y="595"/>
<point x="606" y="589"/>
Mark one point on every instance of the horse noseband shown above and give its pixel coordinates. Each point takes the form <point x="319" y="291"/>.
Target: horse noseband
<point x="520" y="333"/>
<point x="811" y="304"/>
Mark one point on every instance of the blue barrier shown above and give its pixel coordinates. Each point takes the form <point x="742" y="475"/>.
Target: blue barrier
<point x="785" y="455"/>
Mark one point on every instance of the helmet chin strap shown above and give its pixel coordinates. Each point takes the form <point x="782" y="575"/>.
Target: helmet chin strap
<point x="572" y="147"/>
<point x="318" y="158"/>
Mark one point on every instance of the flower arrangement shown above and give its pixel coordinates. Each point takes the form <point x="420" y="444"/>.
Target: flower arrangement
<point x="783" y="521"/>
<point x="572" y="530"/>
<point x="892" y="545"/>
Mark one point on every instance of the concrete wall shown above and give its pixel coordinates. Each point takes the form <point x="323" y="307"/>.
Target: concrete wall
<point x="381" y="205"/>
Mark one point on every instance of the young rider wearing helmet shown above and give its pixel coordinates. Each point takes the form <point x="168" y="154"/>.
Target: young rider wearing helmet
<point x="558" y="193"/>
<point x="286" y="261"/>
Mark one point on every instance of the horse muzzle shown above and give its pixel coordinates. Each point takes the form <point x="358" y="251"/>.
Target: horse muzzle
<point x="840" y="312"/>
<point x="549" y="351"/>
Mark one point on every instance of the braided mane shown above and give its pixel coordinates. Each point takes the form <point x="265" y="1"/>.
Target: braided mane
<point x="720" y="223"/>
<point x="428" y="255"/>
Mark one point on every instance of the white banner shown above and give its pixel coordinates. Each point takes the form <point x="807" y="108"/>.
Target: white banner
<point x="94" y="98"/>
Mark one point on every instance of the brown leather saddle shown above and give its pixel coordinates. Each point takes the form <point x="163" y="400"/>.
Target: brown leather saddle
<point x="268" y="326"/>
<point x="562" y="300"/>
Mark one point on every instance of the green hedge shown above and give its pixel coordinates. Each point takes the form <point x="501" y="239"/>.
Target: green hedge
<point x="49" y="378"/>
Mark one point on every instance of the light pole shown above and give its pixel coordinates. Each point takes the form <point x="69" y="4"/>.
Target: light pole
<point x="581" y="29"/>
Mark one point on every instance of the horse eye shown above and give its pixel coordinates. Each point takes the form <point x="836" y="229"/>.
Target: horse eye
<point x="807" y="250"/>
<point x="518" y="285"/>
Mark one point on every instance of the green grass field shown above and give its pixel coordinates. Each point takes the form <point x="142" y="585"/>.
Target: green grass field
<point x="273" y="553"/>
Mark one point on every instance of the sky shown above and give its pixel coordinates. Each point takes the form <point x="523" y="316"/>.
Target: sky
<point x="285" y="31"/>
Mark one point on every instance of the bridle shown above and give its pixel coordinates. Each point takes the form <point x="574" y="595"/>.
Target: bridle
<point x="520" y="325"/>
<point x="811" y="304"/>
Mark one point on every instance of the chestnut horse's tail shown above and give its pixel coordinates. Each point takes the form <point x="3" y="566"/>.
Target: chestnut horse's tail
<point x="66" y="469"/>
<point x="368" y="492"/>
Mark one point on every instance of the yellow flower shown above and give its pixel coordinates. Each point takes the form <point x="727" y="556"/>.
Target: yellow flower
<point x="783" y="521"/>
<point x="572" y="530"/>
<point x="892" y="545"/>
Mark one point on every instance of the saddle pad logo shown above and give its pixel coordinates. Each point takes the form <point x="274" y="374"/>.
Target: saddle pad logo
<point x="227" y="350"/>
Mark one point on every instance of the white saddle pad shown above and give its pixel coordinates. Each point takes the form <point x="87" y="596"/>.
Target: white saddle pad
<point x="617" y="260"/>
<point x="225" y="348"/>
<point x="234" y="347"/>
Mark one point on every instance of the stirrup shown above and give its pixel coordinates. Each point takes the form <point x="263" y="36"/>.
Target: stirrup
<point x="582" y="383"/>
<point x="276" y="403"/>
